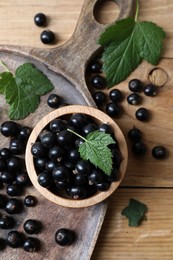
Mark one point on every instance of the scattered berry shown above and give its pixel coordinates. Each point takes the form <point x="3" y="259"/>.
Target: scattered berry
<point x="54" y="101"/>
<point x="99" y="97"/>
<point x="159" y="152"/>
<point x="139" y="148"/>
<point x="30" y="201"/>
<point x="134" y="99"/>
<point x="14" y="239"/>
<point x="31" y="244"/>
<point x="40" y="19"/>
<point x="116" y="95"/>
<point x="135" y="85"/>
<point x="95" y="67"/>
<point x="64" y="237"/>
<point x="98" y="82"/>
<point x="113" y="109"/>
<point x="150" y="90"/>
<point x="47" y="37"/>
<point x="142" y="114"/>
<point x="135" y="134"/>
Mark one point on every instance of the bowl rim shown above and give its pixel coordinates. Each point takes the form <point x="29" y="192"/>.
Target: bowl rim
<point x="65" y="110"/>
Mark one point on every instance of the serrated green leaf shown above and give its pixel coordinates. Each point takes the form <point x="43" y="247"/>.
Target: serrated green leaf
<point x="119" y="60"/>
<point x="117" y="32"/>
<point x="23" y="91"/>
<point x="96" y="151"/>
<point x="149" y="36"/>
<point x="127" y="43"/>
<point x="135" y="212"/>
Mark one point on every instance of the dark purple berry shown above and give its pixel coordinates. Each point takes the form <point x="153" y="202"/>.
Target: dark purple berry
<point x="135" y="85"/>
<point x="142" y="114"/>
<point x="47" y="37"/>
<point x="40" y="19"/>
<point x="150" y="90"/>
<point x="159" y="152"/>
<point x="64" y="237"/>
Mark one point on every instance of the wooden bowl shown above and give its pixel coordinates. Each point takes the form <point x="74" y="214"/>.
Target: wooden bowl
<point x="98" y="116"/>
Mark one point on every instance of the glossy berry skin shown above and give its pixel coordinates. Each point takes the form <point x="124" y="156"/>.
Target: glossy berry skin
<point x="105" y="128"/>
<point x="83" y="167"/>
<point x="150" y="90"/>
<point x="30" y="201"/>
<point x="7" y="177"/>
<point x="14" y="190"/>
<point x="57" y="125"/>
<point x="61" y="173"/>
<point x="24" y="133"/>
<point x="98" y="82"/>
<point x="56" y="153"/>
<point x="135" y="85"/>
<point x="95" y="67"/>
<point x="47" y="139"/>
<point x="47" y="37"/>
<point x="88" y="129"/>
<point x="73" y="155"/>
<point x="142" y="114"/>
<point x="116" y="95"/>
<point x="16" y="146"/>
<point x="95" y="177"/>
<point x="14" y="164"/>
<point x="9" y="129"/>
<point x="99" y="97"/>
<point x="6" y="222"/>
<point x="13" y="206"/>
<point x="159" y="152"/>
<point x="14" y="239"/>
<point x="5" y="153"/>
<point x="54" y="101"/>
<point x="113" y="109"/>
<point x="40" y="19"/>
<point x="65" y="138"/>
<point x="134" y="99"/>
<point x="78" y="120"/>
<point x="103" y="186"/>
<point x="44" y="179"/>
<point x="135" y="134"/>
<point x="31" y="244"/>
<point x="22" y="179"/>
<point x="64" y="237"/>
<point x="139" y="148"/>
<point x="32" y="226"/>
<point x="38" y="150"/>
<point x="77" y="192"/>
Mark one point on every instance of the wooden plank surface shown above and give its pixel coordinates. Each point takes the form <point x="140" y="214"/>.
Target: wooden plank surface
<point x="153" y="240"/>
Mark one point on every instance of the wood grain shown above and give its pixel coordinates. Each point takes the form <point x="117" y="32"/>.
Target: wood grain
<point x="153" y="240"/>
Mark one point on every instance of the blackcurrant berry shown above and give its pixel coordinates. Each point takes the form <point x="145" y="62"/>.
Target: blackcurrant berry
<point x="40" y="19"/>
<point x="78" y="120"/>
<point x="159" y="152"/>
<point x="7" y="177"/>
<point x="22" y="179"/>
<point x="105" y="128"/>
<point x="142" y="114"/>
<point x="14" y="239"/>
<point x="7" y="222"/>
<point x="103" y="186"/>
<point x="32" y="226"/>
<point x="61" y="173"/>
<point x="30" y="201"/>
<point x="47" y="37"/>
<point x="31" y="244"/>
<point x="77" y="192"/>
<point x="57" y="125"/>
<point x="95" y="177"/>
<point x="45" y="179"/>
<point x="9" y="129"/>
<point x="139" y="148"/>
<point x="65" y="138"/>
<point x="83" y="167"/>
<point x="95" y="67"/>
<point x="14" y="190"/>
<point x="38" y="150"/>
<point x="116" y="95"/>
<point x="24" y="133"/>
<point x="13" y="206"/>
<point x="135" y="134"/>
<point x="134" y="99"/>
<point x="89" y="128"/>
<point x="14" y="164"/>
<point x="113" y="109"/>
<point x="64" y="237"/>
<point x="47" y="139"/>
<point x="16" y="146"/>
<point x="54" y="101"/>
<point x="98" y="82"/>
<point x="135" y="85"/>
<point x="150" y="90"/>
<point x="99" y="97"/>
<point x="5" y="153"/>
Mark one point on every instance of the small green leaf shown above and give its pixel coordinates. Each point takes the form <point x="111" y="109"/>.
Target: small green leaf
<point x="95" y="149"/>
<point x="23" y="91"/>
<point x="135" y="212"/>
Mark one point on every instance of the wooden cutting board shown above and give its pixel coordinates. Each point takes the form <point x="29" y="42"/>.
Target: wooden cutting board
<point x="65" y="67"/>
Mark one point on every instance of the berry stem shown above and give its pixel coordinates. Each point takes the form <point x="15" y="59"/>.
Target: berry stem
<point x="4" y="66"/>
<point x="137" y="10"/>
<point x="77" y="134"/>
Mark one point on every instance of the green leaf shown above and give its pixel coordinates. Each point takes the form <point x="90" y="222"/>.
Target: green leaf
<point x="126" y="43"/>
<point x="23" y="91"/>
<point x="95" y="149"/>
<point x="135" y="212"/>
<point x="117" y="32"/>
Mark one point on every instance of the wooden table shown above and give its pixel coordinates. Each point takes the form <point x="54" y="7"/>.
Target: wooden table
<point x="147" y="180"/>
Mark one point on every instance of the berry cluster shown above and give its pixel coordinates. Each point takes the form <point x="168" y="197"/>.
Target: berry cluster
<point x="110" y="103"/>
<point x="14" y="180"/>
<point x="58" y="162"/>
<point x="46" y="36"/>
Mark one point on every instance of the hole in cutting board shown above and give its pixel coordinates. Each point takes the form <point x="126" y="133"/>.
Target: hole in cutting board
<point x="106" y="11"/>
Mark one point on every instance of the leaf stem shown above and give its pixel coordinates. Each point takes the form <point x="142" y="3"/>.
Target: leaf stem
<point x="4" y="66"/>
<point x="137" y="10"/>
<point x="77" y="134"/>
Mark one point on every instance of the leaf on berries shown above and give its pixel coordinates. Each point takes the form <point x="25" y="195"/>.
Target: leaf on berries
<point x="23" y="91"/>
<point x="135" y="212"/>
<point x="126" y="43"/>
<point x="96" y="150"/>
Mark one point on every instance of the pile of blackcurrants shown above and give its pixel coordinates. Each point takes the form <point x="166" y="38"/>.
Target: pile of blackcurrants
<point x="59" y="165"/>
<point x="111" y="105"/>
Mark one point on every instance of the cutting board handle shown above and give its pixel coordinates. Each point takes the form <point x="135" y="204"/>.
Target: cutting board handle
<point x="71" y="58"/>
